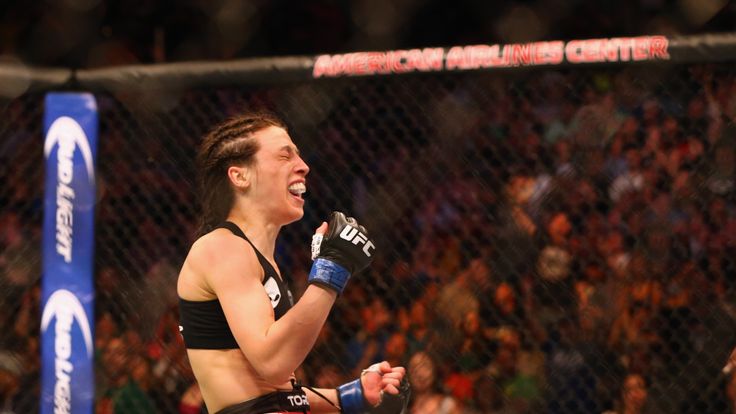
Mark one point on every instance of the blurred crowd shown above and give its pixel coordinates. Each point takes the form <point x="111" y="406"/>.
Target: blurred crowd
<point x="558" y="242"/>
<point x="94" y="33"/>
<point x="577" y="254"/>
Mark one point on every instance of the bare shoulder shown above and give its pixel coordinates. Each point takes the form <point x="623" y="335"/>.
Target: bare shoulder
<point x="213" y="257"/>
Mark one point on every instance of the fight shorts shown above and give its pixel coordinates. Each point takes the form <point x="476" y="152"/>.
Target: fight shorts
<point x="278" y="402"/>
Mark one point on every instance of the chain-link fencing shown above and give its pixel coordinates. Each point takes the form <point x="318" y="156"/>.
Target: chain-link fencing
<point x="550" y="239"/>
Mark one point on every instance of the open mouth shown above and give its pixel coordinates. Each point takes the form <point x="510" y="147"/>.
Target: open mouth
<point x="297" y="189"/>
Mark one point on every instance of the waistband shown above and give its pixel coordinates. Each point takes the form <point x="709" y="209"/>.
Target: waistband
<point x="278" y="402"/>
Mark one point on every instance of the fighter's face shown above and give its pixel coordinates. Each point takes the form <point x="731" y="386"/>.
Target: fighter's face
<point x="278" y="178"/>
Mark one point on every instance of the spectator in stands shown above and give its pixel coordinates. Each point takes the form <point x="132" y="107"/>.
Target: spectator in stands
<point x="106" y="329"/>
<point x="572" y="383"/>
<point x="596" y="298"/>
<point x="419" y="332"/>
<point x="426" y="391"/>
<point x="518" y="371"/>
<point x="554" y="288"/>
<point x="454" y="301"/>
<point x="395" y="349"/>
<point x="633" y="398"/>
<point x="191" y="401"/>
<point x="14" y="385"/>
<point x="120" y="392"/>
<point x="368" y="345"/>
<point x="472" y="354"/>
<point x="487" y="398"/>
<point x="634" y="327"/>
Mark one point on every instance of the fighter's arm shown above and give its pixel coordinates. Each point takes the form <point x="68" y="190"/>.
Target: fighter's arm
<point x="274" y="348"/>
<point x="378" y="379"/>
<point x="319" y="405"/>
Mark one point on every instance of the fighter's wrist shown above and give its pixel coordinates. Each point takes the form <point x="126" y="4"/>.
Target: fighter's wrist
<point x="350" y="397"/>
<point x="327" y="273"/>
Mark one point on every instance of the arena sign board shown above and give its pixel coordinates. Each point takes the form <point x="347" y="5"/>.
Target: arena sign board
<point x="473" y="57"/>
<point x="67" y="314"/>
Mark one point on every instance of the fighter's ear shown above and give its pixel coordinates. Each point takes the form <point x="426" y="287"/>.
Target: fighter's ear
<point x="239" y="177"/>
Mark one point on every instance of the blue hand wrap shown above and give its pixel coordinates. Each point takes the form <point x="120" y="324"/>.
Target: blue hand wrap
<point x="351" y="397"/>
<point x="330" y="274"/>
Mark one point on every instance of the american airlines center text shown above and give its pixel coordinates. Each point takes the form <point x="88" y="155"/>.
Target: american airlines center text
<point x="472" y="57"/>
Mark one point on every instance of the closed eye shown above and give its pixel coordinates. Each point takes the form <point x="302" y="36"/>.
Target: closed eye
<point x="288" y="152"/>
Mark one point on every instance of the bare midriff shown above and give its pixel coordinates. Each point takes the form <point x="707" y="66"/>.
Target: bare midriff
<point x="226" y="378"/>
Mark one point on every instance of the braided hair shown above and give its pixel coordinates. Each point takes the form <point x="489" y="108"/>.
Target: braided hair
<point x="227" y="144"/>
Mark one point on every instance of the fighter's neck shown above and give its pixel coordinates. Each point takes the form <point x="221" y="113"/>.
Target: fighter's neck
<point x="259" y="231"/>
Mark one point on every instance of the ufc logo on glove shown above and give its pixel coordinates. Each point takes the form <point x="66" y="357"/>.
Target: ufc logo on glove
<point x="338" y="254"/>
<point x="354" y="236"/>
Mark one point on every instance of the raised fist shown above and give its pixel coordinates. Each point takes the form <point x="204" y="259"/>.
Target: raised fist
<point x="343" y="250"/>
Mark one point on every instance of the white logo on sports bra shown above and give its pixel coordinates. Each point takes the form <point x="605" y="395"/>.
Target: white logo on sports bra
<point x="272" y="290"/>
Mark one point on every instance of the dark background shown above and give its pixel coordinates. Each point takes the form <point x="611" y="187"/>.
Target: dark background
<point x="94" y="33"/>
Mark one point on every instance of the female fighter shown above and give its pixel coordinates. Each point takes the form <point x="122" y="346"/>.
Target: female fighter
<point x="244" y="335"/>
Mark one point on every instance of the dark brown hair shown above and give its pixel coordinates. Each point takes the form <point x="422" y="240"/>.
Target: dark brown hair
<point x="226" y="145"/>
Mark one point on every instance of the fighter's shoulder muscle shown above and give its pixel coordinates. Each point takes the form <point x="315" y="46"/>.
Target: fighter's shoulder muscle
<point x="221" y="252"/>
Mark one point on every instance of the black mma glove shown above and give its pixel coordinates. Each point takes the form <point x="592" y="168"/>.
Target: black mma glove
<point x="343" y="251"/>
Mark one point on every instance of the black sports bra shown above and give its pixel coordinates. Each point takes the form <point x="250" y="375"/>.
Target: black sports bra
<point x="203" y="324"/>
